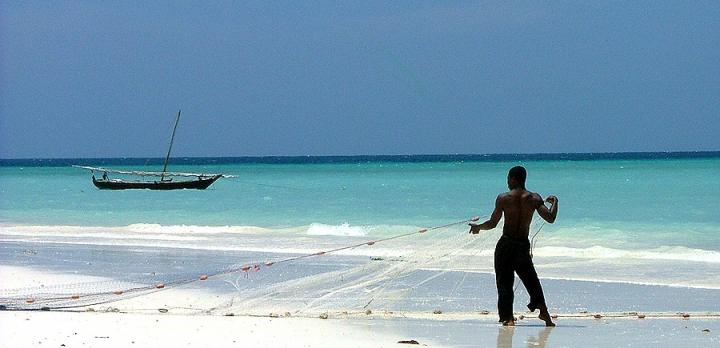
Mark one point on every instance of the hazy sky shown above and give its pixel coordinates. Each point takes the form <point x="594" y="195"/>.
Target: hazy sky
<point x="105" y="79"/>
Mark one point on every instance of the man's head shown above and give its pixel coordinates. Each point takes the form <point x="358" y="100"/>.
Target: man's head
<point x="516" y="177"/>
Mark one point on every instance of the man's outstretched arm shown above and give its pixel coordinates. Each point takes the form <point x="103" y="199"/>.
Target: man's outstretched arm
<point x="548" y="215"/>
<point x="490" y="223"/>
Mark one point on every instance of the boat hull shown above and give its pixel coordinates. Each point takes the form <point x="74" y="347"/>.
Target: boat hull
<point x="198" y="184"/>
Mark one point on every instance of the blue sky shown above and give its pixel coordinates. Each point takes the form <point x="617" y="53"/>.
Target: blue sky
<point x="101" y="79"/>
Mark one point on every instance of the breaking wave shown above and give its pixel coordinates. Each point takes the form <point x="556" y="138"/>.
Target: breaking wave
<point x="669" y="253"/>
<point x="345" y="229"/>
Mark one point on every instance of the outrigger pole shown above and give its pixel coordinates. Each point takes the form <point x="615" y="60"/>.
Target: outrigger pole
<point x="172" y="138"/>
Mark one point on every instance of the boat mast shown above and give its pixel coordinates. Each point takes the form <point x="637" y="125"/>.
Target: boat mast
<point x="162" y="176"/>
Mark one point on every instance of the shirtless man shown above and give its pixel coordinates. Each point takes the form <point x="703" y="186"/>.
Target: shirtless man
<point x="512" y="253"/>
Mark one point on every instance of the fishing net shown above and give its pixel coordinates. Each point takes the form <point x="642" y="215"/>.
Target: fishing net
<point x="421" y="270"/>
<point x="423" y="277"/>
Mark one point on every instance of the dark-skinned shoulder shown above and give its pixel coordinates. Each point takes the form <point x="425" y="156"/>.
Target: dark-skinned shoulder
<point x="501" y="198"/>
<point x="537" y="199"/>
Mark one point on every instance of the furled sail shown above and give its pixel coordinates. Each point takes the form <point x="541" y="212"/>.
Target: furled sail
<point x="143" y="173"/>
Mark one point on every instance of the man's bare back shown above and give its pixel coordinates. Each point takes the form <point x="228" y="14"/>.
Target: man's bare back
<point x="518" y="206"/>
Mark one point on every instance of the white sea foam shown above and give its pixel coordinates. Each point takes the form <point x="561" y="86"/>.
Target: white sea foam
<point x="106" y="235"/>
<point x="203" y="236"/>
<point x="194" y="229"/>
<point x="132" y="229"/>
<point x="345" y="229"/>
<point x="672" y="253"/>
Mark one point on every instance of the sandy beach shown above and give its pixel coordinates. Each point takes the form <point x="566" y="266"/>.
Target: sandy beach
<point x="65" y="329"/>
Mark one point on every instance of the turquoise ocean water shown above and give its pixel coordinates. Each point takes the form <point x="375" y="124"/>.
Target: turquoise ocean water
<point x="655" y="209"/>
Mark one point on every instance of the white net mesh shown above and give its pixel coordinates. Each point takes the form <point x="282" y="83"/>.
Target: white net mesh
<point x="414" y="279"/>
<point x="416" y="271"/>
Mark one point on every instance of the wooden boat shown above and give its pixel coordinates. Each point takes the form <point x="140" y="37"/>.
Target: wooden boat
<point x="201" y="181"/>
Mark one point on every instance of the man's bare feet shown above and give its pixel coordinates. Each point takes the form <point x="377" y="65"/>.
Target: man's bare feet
<point x="545" y="316"/>
<point x="508" y="323"/>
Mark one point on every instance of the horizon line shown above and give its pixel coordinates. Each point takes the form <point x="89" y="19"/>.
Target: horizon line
<point x="371" y="155"/>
